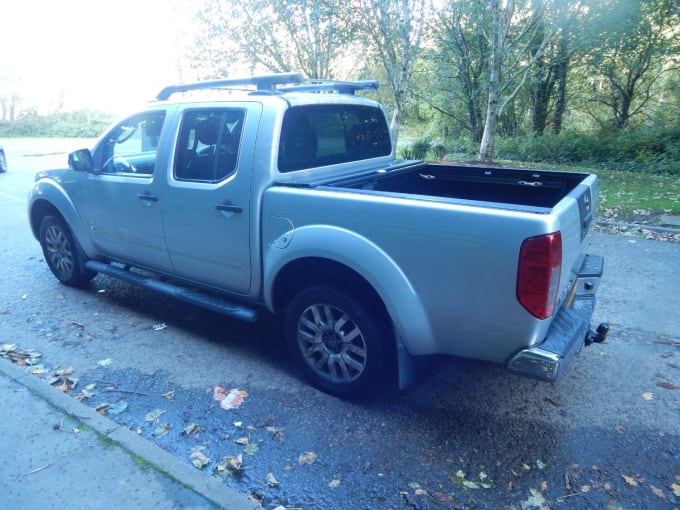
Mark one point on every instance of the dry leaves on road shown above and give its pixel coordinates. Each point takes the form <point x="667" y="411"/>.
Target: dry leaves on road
<point x="20" y="357"/>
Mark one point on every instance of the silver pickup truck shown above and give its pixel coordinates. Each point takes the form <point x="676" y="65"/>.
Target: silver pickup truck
<point x="280" y="195"/>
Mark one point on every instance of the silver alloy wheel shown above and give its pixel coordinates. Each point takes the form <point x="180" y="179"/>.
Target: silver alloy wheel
<point x="59" y="250"/>
<point x="331" y="343"/>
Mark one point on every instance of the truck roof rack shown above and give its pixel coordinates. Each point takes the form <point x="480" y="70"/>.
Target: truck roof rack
<point x="270" y="84"/>
<point x="265" y="82"/>
<point x="341" y="87"/>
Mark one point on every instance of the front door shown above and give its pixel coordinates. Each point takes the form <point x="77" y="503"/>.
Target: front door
<point x="123" y="197"/>
<point x="206" y="210"/>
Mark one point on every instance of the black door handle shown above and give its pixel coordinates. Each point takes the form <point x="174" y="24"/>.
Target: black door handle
<point x="228" y="208"/>
<point x="147" y="197"/>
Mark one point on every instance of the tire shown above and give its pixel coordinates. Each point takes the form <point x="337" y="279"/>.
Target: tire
<point x="335" y="340"/>
<point x="61" y="253"/>
<point x="3" y="163"/>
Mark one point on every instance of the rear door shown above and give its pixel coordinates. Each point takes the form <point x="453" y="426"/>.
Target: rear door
<point x="206" y="209"/>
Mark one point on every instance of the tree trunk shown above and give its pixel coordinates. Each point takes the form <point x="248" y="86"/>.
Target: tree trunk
<point x="394" y="129"/>
<point x="561" y="79"/>
<point x="491" y="124"/>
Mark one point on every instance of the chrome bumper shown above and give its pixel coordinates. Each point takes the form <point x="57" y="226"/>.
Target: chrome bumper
<point x="569" y="332"/>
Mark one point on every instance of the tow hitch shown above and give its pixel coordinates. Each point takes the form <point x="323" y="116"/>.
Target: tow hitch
<point x="599" y="335"/>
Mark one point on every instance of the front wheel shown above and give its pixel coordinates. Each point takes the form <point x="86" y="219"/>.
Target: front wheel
<point x="61" y="254"/>
<point x="335" y="341"/>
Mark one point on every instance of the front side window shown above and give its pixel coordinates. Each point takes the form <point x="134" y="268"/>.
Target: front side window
<point x="319" y="135"/>
<point x="131" y="146"/>
<point x="208" y="144"/>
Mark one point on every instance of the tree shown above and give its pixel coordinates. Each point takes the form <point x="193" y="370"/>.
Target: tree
<point x="547" y="84"/>
<point x="461" y="57"/>
<point x="635" y="39"/>
<point x="273" y="36"/>
<point x="394" y="30"/>
<point x="513" y="52"/>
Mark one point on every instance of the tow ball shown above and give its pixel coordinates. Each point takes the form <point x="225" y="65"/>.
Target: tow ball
<point x="599" y="335"/>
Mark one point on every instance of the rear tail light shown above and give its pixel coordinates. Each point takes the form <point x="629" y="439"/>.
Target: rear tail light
<point x="538" y="277"/>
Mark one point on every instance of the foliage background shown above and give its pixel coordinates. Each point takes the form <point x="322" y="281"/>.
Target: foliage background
<point x="593" y="82"/>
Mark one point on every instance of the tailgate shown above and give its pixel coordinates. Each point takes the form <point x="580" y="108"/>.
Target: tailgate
<point x="575" y="213"/>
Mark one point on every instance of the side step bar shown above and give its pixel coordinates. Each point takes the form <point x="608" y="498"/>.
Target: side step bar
<point x="204" y="300"/>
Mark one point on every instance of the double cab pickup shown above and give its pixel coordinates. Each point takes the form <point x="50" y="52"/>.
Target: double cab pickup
<point x="279" y="195"/>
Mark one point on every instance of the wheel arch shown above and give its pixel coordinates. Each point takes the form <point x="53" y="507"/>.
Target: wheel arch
<point x="323" y="254"/>
<point x="48" y="197"/>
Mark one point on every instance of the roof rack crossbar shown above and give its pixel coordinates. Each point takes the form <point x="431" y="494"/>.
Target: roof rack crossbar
<point x="266" y="82"/>
<point x="341" y="87"/>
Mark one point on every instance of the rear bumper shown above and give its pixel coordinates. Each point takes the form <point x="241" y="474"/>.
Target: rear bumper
<point x="569" y="330"/>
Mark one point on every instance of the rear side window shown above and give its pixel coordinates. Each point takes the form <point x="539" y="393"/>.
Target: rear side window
<point x="208" y="144"/>
<point x="320" y="135"/>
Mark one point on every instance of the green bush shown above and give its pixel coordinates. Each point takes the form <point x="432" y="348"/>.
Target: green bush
<point x="420" y="149"/>
<point x="651" y="149"/>
<point x="78" y="124"/>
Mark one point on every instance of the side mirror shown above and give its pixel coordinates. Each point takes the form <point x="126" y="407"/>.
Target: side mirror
<point x="81" y="160"/>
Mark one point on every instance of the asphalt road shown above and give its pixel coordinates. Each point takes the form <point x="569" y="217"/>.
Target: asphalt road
<point x="467" y="435"/>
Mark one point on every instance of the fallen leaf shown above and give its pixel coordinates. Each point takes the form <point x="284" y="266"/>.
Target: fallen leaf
<point x="675" y="489"/>
<point x="118" y="407"/>
<point x="161" y="430"/>
<point x="334" y="483"/>
<point x="243" y="441"/>
<point x="64" y="371"/>
<point x="657" y="492"/>
<point x="153" y="415"/>
<point x="630" y="480"/>
<point x="234" y="463"/>
<point x="160" y="327"/>
<point x="169" y="395"/>
<point x="104" y="362"/>
<point x="307" y="458"/>
<point x="199" y="460"/>
<point x="536" y="500"/>
<point x="271" y="480"/>
<point x="251" y="449"/>
<point x="229" y="398"/>
<point x="102" y="408"/>
<point x="190" y="429"/>
<point x="667" y="386"/>
<point x="277" y="432"/>
<point x="648" y="395"/>
<point x="87" y="392"/>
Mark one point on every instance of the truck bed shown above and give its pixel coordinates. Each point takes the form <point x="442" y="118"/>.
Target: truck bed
<point x="533" y="188"/>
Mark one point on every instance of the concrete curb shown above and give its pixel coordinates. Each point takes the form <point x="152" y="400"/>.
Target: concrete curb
<point x="209" y="488"/>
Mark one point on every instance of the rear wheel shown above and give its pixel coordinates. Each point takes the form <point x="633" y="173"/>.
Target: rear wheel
<point x="61" y="254"/>
<point x="335" y="340"/>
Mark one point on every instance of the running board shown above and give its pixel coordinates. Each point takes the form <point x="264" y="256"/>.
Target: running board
<point x="213" y="303"/>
